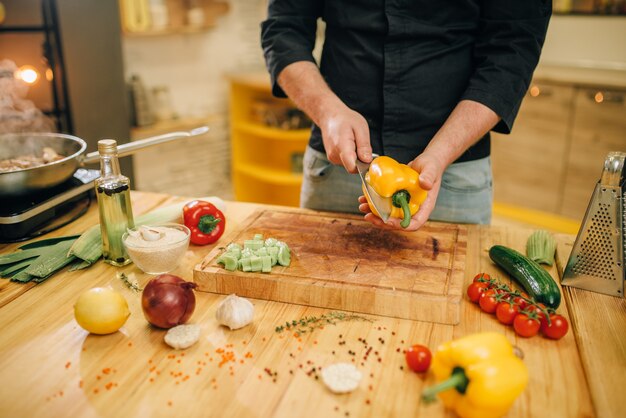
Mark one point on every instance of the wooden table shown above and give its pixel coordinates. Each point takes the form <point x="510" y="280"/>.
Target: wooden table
<point x="49" y="366"/>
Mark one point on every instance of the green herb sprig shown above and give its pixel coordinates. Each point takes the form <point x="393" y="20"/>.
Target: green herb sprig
<point x="131" y="284"/>
<point x="311" y="323"/>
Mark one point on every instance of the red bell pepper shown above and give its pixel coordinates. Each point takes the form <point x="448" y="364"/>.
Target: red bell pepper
<point x="205" y="221"/>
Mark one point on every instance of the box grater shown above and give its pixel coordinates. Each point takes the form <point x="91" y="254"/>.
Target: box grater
<point x="597" y="259"/>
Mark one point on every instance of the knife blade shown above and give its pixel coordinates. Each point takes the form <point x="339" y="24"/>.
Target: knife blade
<point x="382" y="204"/>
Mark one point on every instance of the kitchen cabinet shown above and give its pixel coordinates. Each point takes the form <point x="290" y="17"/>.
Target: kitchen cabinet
<point x="598" y="126"/>
<point x="528" y="164"/>
<point x="555" y="153"/>
<point x="266" y="159"/>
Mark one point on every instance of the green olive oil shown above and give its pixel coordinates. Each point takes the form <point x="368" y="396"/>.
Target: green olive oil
<point x="116" y="213"/>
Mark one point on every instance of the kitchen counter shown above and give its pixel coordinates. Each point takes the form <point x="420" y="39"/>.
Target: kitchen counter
<point x="49" y="366"/>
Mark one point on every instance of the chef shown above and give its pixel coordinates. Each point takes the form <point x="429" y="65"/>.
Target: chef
<point x="423" y="82"/>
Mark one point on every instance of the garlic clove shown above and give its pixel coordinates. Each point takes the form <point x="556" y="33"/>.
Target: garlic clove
<point x="341" y="377"/>
<point x="235" y="312"/>
<point x="182" y="336"/>
<point x="150" y="234"/>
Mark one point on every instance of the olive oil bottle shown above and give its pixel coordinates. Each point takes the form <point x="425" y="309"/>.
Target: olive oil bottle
<point x="116" y="213"/>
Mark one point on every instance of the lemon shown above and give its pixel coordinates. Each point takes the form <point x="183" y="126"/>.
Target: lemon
<point x="101" y="310"/>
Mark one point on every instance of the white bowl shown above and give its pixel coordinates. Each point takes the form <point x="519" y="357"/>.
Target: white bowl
<point x="159" y="256"/>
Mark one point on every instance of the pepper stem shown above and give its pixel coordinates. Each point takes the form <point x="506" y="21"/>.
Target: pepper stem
<point x="207" y="223"/>
<point x="457" y="380"/>
<point x="400" y="199"/>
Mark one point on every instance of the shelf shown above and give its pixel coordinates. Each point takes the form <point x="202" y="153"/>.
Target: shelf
<point x="268" y="175"/>
<point x="259" y="81"/>
<point x="184" y="30"/>
<point x="13" y="29"/>
<point x="272" y="133"/>
<point x="177" y="16"/>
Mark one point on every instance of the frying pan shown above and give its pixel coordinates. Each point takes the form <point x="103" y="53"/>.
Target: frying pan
<point x="29" y="180"/>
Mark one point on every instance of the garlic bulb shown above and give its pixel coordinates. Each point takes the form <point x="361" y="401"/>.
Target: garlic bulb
<point x="235" y="312"/>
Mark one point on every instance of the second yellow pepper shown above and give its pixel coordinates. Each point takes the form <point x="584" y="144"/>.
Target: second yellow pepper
<point x="399" y="182"/>
<point x="479" y="375"/>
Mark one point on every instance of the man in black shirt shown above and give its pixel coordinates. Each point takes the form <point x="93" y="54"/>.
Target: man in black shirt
<point x="420" y="81"/>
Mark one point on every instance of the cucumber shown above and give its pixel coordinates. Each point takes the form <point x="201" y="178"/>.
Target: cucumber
<point x="257" y="255"/>
<point x="529" y="274"/>
<point x="540" y="247"/>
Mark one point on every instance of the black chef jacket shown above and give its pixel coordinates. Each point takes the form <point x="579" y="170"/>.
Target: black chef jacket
<point x="405" y="64"/>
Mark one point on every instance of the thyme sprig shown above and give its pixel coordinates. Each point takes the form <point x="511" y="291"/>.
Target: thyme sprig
<point x="311" y="323"/>
<point x="130" y="283"/>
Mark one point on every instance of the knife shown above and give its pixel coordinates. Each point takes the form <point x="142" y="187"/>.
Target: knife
<point x="381" y="204"/>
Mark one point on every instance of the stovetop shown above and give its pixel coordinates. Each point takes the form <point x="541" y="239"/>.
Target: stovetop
<point x="32" y="215"/>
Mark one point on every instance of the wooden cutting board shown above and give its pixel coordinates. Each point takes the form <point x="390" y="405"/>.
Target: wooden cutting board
<point x="339" y="261"/>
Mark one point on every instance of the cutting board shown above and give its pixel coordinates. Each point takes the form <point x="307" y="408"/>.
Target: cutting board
<point x="339" y="261"/>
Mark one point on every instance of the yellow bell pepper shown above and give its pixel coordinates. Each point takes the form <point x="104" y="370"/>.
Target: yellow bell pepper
<point x="398" y="181"/>
<point x="480" y="376"/>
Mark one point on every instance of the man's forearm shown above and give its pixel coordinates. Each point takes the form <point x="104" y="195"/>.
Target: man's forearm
<point x="468" y="122"/>
<point x="304" y="84"/>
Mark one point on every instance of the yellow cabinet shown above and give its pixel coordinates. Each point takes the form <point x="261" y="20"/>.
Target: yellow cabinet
<point x="268" y="139"/>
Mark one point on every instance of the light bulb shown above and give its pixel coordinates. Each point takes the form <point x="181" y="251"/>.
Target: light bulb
<point x="599" y="97"/>
<point x="535" y="91"/>
<point x="28" y="74"/>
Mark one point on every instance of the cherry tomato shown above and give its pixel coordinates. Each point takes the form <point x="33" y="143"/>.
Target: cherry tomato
<point x="526" y="326"/>
<point x="482" y="277"/>
<point x="418" y="358"/>
<point x="487" y="301"/>
<point x="506" y="312"/>
<point x="557" y="329"/>
<point x="475" y="289"/>
<point x="520" y="302"/>
<point x="539" y="309"/>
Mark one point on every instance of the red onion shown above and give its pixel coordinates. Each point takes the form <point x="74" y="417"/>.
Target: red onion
<point x="168" y="300"/>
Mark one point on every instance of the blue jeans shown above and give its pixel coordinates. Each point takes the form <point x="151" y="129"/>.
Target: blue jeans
<point x="465" y="196"/>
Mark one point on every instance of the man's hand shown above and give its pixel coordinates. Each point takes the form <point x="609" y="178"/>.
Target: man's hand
<point x="344" y="131"/>
<point x="431" y="170"/>
<point x="346" y="135"/>
<point x="467" y="123"/>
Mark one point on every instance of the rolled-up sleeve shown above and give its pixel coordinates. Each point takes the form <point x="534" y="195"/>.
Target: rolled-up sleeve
<point x="288" y="35"/>
<point x="507" y="49"/>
